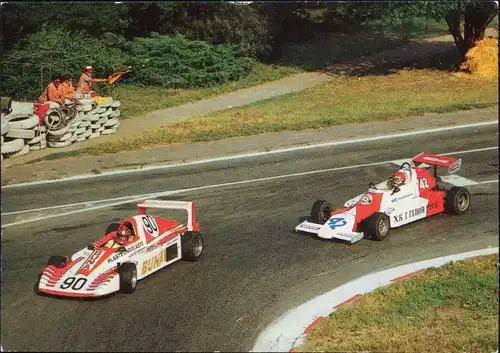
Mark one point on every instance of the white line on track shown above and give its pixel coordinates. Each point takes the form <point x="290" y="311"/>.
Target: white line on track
<point x="139" y="196"/>
<point x="134" y="198"/>
<point x="258" y="154"/>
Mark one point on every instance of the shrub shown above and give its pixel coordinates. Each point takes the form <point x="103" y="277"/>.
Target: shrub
<point x="174" y="62"/>
<point x="28" y="67"/>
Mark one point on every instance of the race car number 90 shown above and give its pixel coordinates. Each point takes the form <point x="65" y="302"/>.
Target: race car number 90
<point x="150" y="225"/>
<point x="75" y="285"/>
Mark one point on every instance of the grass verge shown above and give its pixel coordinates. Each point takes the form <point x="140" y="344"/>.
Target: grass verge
<point x="453" y="308"/>
<point x="343" y="100"/>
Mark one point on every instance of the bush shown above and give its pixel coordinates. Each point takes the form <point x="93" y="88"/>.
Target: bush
<point x="174" y="62"/>
<point x="28" y="67"/>
<point x="171" y="62"/>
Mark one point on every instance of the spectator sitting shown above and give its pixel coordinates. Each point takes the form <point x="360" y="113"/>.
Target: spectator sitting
<point x="52" y="93"/>
<point x="67" y="89"/>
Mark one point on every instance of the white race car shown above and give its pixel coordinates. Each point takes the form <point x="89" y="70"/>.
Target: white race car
<point x="130" y="251"/>
<point x="412" y="193"/>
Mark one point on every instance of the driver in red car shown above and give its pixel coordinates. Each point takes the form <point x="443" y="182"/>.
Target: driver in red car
<point x="124" y="235"/>
<point x="397" y="179"/>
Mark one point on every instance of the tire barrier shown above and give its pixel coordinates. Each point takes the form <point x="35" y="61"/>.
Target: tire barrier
<point x="24" y="131"/>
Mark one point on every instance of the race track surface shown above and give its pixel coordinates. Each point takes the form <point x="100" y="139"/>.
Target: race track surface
<point x="254" y="266"/>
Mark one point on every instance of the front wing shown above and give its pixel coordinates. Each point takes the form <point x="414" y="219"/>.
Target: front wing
<point x="325" y="231"/>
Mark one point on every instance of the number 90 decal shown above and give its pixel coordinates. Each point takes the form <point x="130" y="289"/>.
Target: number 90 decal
<point x="75" y="285"/>
<point x="150" y="225"/>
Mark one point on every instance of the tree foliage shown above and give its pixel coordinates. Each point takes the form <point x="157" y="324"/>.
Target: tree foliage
<point x="474" y="16"/>
<point x="175" y="62"/>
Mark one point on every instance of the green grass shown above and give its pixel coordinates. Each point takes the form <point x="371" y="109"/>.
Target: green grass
<point x="453" y="308"/>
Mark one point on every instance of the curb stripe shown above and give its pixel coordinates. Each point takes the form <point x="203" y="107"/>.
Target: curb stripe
<point x="348" y="301"/>
<point x="311" y="326"/>
<point x="286" y="333"/>
<point x="406" y="276"/>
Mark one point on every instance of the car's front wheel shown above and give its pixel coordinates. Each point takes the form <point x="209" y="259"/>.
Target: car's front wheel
<point x="320" y="211"/>
<point x="57" y="261"/>
<point x="128" y="278"/>
<point x="377" y="226"/>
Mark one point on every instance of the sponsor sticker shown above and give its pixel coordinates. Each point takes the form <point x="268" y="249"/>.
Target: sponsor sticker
<point x="409" y="214"/>
<point x="308" y="226"/>
<point x="434" y="159"/>
<point x="92" y="260"/>
<point x="432" y="206"/>
<point x="154" y="262"/>
<point x="396" y="199"/>
<point x="126" y="252"/>
<point x="366" y="199"/>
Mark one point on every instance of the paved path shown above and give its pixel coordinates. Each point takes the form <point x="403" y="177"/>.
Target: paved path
<point x="294" y="83"/>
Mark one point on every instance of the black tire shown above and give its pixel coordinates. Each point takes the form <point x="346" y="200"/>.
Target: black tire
<point x="112" y="227"/>
<point x="457" y="200"/>
<point x="377" y="226"/>
<point x="320" y="211"/>
<point x="57" y="261"/>
<point x="128" y="278"/>
<point x="192" y="246"/>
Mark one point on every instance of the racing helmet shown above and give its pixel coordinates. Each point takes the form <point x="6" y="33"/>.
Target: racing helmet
<point x="122" y="233"/>
<point x="397" y="179"/>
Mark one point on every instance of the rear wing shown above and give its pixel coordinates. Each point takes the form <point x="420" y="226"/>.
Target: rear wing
<point x="452" y="163"/>
<point x="172" y="205"/>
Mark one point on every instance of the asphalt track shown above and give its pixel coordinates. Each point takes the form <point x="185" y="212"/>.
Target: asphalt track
<point x="254" y="267"/>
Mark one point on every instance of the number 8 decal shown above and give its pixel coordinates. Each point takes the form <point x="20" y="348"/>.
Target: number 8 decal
<point x="150" y="225"/>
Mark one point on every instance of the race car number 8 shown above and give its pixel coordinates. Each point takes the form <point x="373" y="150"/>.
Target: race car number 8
<point x="75" y="285"/>
<point x="150" y="225"/>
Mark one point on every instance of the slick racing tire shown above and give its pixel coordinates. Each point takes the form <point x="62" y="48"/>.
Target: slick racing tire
<point x="320" y="211"/>
<point x="457" y="200"/>
<point x="57" y="261"/>
<point x="128" y="278"/>
<point x="377" y="226"/>
<point x="192" y="246"/>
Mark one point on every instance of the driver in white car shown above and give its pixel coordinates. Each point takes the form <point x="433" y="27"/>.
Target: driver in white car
<point x="124" y="235"/>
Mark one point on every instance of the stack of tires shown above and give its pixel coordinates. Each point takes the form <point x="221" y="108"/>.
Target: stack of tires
<point x="62" y="125"/>
<point x="21" y="131"/>
<point x="100" y="118"/>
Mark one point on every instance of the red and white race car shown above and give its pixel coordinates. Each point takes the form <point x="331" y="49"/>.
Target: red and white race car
<point x="412" y="193"/>
<point x="130" y="251"/>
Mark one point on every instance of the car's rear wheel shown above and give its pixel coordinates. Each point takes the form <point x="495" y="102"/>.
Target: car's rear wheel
<point x="112" y="228"/>
<point x="128" y="278"/>
<point x="377" y="226"/>
<point x="192" y="246"/>
<point x="457" y="200"/>
<point x="320" y="211"/>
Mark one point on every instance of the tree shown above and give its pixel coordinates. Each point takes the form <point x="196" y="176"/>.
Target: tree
<point x="474" y="15"/>
<point x="21" y="19"/>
